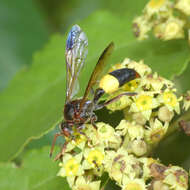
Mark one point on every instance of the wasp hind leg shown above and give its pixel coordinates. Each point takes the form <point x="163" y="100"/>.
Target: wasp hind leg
<point x="100" y="106"/>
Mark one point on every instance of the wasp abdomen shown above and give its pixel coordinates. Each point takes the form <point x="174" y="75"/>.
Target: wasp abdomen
<point x="117" y="78"/>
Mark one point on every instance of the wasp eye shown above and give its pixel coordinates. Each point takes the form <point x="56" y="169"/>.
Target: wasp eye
<point x="62" y="125"/>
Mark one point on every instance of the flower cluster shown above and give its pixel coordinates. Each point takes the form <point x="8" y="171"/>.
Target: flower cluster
<point x="166" y="18"/>
<point x="122" y="151"/>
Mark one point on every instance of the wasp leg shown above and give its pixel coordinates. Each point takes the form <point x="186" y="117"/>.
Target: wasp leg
<point x="92" y="121"/>
<point x="60" y="155"/>
<point x="53" y="144"/>
<point x="100" y="106"/>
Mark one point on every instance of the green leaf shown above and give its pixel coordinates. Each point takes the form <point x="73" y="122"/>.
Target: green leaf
<point x="37" y="172"/>
<point x="22" y="32"/>
<point x="32" y="103"/>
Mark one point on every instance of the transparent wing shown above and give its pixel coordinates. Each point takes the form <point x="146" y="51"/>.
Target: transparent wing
<point x="97" y="72"/>
<point x="76" y="51"/>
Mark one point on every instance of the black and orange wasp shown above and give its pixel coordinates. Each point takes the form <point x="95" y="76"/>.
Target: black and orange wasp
<point x="79" y="111"/>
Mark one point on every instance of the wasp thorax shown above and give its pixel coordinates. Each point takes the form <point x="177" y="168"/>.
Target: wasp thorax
<point x="69" y="110"/>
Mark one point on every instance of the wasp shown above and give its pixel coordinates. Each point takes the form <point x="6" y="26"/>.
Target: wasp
<point x="78" y="111"/>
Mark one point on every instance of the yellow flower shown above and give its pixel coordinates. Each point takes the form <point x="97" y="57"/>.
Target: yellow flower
<point x="156" y="4"/>
<point x="144" y="102"/>
<point x="134" y="130"/>
<point x="79" y="138"/>
<point x="141" y="27"/>
<point x="146" y="163"/>
<point x="154" y="82"/>
<point x="161" y="7"/>
<point x="170" y="100"/>
<point x="184" y="6"/>
<point x="83" y="184"/>
<point x="155" y="132"/>
<point x="120" y="163"/>
<point x="140" y="67"/>
<point x="95" y="157"/>
<point x="105" y="131"/>
<point x="71" y="165"/>
<point x="133" y="184"/>
<point x="170" y="29"/>
<point x="176" y="177"/>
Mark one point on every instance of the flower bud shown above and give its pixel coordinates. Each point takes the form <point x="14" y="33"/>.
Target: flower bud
<point x="158" y="185"/>
<point x="139" y="147"/>
<point x="139" y="118"/>
<point x="164" y="114"/>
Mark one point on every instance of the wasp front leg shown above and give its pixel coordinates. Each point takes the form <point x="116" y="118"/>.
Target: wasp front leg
<point x="65" y="131"/>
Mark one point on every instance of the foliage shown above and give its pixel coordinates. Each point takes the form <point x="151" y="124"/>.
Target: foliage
<point x="22" y="32"/>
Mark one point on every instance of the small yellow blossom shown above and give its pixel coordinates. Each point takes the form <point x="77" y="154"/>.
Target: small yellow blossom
<point x="155" y="132"/>
<point x="133" y="184"/>
<point x="122" y="163"/>
<point x="109" y="156"/>
<point x="153" y="82"/>
<point x="156" y="4"/>
<point x="135" y="131"/>
<point x="144" y="103"/>
<point x="169" y="99"/>
<point x="121" y="129"/>
<point x="94" y="157"/>
<point x="159" y="185"/>
<point x="71" y="165"/>
<point x="183" y="6"/>
<point x="141" y="27"/>
<point x="79" y="138"/>
<point x="105" y="131"/>
<point x="171" y="29"/>
<point x="146" y="163"/>
<point x="176" y="177"/>
<point x="92" y="134"/>
<point x="83" y="184"/>
<point x="162" y="8"/>
<point x="140" y="67"/>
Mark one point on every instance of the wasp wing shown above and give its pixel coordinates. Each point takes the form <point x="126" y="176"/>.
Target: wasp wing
<point x="97" y="72"/>
<point x="76" y="51"/>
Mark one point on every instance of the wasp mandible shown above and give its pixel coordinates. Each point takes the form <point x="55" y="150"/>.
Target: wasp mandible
<point x="78" y="111"/>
